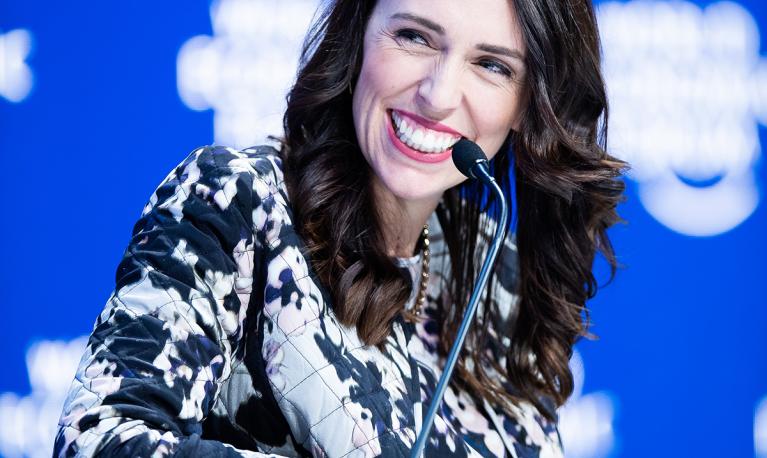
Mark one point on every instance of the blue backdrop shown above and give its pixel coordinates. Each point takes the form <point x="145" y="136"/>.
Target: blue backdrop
<point x="99" y="100"/>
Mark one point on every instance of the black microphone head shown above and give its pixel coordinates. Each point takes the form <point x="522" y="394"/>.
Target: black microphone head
<point x="466" y="154"/>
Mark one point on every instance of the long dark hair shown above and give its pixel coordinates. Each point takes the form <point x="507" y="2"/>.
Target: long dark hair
<point x="567" y="191"/>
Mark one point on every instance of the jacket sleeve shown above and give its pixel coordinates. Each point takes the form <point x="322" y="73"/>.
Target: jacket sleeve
<point x="164" y="342"/>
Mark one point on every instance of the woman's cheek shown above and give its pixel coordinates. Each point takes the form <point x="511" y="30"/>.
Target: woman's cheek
<point x="399" y="69"/>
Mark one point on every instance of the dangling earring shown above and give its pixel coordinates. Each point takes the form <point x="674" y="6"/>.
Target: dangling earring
<point x="350" y="87"/>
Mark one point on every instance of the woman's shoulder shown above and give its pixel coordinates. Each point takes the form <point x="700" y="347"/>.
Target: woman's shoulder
<point x="244" y="184"/>
<point x="262" y="161"/>
<point x="223" y="176"/>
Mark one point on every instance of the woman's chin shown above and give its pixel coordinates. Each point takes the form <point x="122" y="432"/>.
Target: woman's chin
<point x="407" y="180"/>
<point x="414" y="190"/>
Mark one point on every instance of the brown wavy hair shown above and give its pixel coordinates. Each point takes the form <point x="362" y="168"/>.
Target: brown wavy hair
<point x="567" y="185"/>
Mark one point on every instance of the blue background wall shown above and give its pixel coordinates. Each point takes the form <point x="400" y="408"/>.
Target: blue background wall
<point x="681" y="364"/>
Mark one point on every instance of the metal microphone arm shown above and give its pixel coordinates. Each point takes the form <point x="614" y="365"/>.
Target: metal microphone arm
<point x="480" y="171"/>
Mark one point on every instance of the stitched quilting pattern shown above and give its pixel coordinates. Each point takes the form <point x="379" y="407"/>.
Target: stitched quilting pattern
<point x="217" y="341"/>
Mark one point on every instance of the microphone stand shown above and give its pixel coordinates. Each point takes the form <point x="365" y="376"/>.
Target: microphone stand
<point x="481" y="172"/>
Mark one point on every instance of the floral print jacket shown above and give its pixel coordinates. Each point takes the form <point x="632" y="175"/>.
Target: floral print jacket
<point x="218" y="341"/>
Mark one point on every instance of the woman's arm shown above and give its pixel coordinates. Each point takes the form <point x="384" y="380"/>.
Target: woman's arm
<point x="165" y="341"/>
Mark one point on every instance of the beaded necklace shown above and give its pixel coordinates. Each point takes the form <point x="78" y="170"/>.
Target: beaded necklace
<point x="421" y="298"/>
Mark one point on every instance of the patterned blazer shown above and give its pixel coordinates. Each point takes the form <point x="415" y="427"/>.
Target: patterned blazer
<point x="218" y="341"/>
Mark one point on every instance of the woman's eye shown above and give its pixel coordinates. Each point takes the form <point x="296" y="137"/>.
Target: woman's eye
<point x="412" y="36"/>
<point x="496" y="67"/>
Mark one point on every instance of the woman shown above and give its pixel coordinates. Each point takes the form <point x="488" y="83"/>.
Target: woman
<point x="301" y="302"/>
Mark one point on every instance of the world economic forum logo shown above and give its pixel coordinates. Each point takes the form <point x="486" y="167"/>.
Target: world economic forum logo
<point x="244" y="70"/>
<point x="760" y="428"/>
<point x="15" y="74"/>
<point x="28" y="423"/>
<point x="586" y="420"/>
<point x="687" y="90"/>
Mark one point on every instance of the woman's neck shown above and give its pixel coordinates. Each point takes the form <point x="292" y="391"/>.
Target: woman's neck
<point x="402" y="220"/>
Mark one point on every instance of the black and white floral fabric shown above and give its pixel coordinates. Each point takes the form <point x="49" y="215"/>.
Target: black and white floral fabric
<point x="217" y="341"/>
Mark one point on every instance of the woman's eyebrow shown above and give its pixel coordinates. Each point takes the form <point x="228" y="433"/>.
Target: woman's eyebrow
<point x="501" y="51"/>
<point x="428" y="23"/>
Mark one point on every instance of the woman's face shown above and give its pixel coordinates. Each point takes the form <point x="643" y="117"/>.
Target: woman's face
<point x="433" y="71"/>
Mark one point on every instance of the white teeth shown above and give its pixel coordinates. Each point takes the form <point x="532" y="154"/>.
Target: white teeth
<point x="429" y="144"/>
<point x="425" y="140"/>
<point x="418" y="137"/>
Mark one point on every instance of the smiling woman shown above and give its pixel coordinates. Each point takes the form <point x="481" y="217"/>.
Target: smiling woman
<point x="302" y="301"/>
<point x="430" y="68"/>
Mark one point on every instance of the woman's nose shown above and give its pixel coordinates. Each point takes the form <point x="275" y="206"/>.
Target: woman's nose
<point x="439" y="93"/>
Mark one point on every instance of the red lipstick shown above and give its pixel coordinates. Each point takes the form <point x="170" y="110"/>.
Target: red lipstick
<point x="419" y="156"/>
<point x="428" y="123"/>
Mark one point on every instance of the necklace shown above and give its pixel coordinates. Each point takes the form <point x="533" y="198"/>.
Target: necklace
<point x="421" y="298"/>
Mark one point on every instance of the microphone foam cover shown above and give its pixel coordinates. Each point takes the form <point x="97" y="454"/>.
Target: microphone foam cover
<point x="466" y="154"/>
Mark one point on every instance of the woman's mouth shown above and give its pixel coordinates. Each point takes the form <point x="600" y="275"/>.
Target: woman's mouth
<point x="419" y="142"/>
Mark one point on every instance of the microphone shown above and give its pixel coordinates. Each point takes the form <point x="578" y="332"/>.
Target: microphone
<point x="470" y="160"/>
